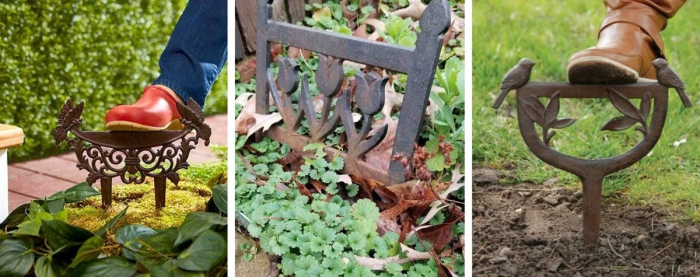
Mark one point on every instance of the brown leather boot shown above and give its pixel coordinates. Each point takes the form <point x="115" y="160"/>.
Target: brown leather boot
<point x="628" y="41"/>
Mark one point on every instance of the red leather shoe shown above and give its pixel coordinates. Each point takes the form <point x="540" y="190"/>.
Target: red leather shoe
<point x="156" y="110"/>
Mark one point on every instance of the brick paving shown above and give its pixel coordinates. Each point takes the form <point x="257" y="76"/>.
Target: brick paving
<point x="44" y="177"/>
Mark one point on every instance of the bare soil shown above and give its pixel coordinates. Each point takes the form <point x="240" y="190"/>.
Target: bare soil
<point x="535" y="230"/>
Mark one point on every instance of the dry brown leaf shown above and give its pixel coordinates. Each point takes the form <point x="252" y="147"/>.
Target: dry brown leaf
<point x="243" y="98"/>
<point x="245" y="118"/>
<point x="449" y="34"/>
<point x="264" y="122"/>
<point x="323" y="12"/>
<point x="457" y="23"/>
<point x="399" y="208"/>
<point x="366" y="185"/>
<point x="379" y="264"/>
<point x="318" y="185"/>
<point x="414" y="10"/>
<point x="361" y="31"/>
<point x="353" y="64"/>
<point x="433" y="211"/>
<point x="385" y="225"/>
<point x="304" y="191"/>
<point x="375" y="37"/>
<point x="292" y="161"/>
<point x="295" y="53"/>
<point x="436" y="205"/>
<point x="392" y="99"/>
<point x="456" y="176"/>
<point x="345" y="178"/>
<point x="377" y="24"/>
<point x="246" y="69"/>
<point x="384" y="198"/>
<point x="380" y="156"/>
<point x="438" y="235"/>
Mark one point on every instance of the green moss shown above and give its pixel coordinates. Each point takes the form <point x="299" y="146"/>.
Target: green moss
<point x="140" y="199"/>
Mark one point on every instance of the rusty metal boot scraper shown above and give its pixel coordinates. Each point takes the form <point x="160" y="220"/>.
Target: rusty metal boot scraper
<point x="132" y="156"/>
<point x="591" y="172"/>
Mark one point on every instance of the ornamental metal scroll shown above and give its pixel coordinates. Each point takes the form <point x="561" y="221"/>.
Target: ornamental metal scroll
<point x="132" y="156"/>
<point x="418" y="63"/>
<point x="648" y="121"/>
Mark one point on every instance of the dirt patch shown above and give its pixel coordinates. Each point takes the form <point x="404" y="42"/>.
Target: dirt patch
<point x="258" y="267"/>
<point x="535" y="230"/>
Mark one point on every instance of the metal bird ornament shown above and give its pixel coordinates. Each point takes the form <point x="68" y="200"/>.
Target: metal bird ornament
<point x="667" y="77"/>
<point x="517" y="77"/>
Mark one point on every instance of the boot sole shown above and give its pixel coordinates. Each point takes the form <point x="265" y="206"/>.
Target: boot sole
<point x="599" y="70"/>
<point x="131" y="126"/>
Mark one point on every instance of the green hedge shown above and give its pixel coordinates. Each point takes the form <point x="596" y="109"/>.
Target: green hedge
<point x="100" y="52"/>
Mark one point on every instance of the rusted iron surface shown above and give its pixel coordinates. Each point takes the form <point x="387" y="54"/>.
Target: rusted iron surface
<point x="132" y="156"/>
<point x="649" y="119"/>
<point x="418" y="63"/>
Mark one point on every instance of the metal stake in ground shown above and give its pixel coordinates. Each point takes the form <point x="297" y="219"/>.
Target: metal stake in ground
<point x="531" y="112"/>
<point x="132" y="156"/>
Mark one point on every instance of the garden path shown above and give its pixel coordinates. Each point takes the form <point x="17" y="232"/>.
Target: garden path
<point x="41" y="178"/>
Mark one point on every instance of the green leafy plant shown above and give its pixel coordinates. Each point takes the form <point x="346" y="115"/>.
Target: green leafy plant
<point x="38" y="236"/>
<point x="447" y="118"/>
<point x="249" y="251"/>
<point x="327" y="16"/>
<point x="399" y="31"/>
<point x="320" y="234"/>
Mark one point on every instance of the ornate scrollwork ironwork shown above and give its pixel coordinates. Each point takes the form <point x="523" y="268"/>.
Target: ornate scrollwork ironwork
<point x="132" y="156"/>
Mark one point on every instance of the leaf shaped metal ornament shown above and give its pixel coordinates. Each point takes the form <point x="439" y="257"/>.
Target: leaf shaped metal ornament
<point x="550" y="113"/>
<point x="534" y="109"/>
<point x="173" y="177"/>
<point x="546" y="117"/>
<point x="624" y="105"/>
<point x="645" y="106"/>
<point x="632" y="115"/>
<point x="562" y="123"/>
<point x="619" y="124"/>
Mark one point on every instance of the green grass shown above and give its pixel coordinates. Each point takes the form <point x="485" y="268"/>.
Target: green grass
<point x="549" y="32"/>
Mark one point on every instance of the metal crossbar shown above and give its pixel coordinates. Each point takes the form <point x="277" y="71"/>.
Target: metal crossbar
<point x="419" y="63"/>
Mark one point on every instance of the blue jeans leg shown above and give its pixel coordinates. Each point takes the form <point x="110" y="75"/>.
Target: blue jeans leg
<point x="196" y="52"/>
